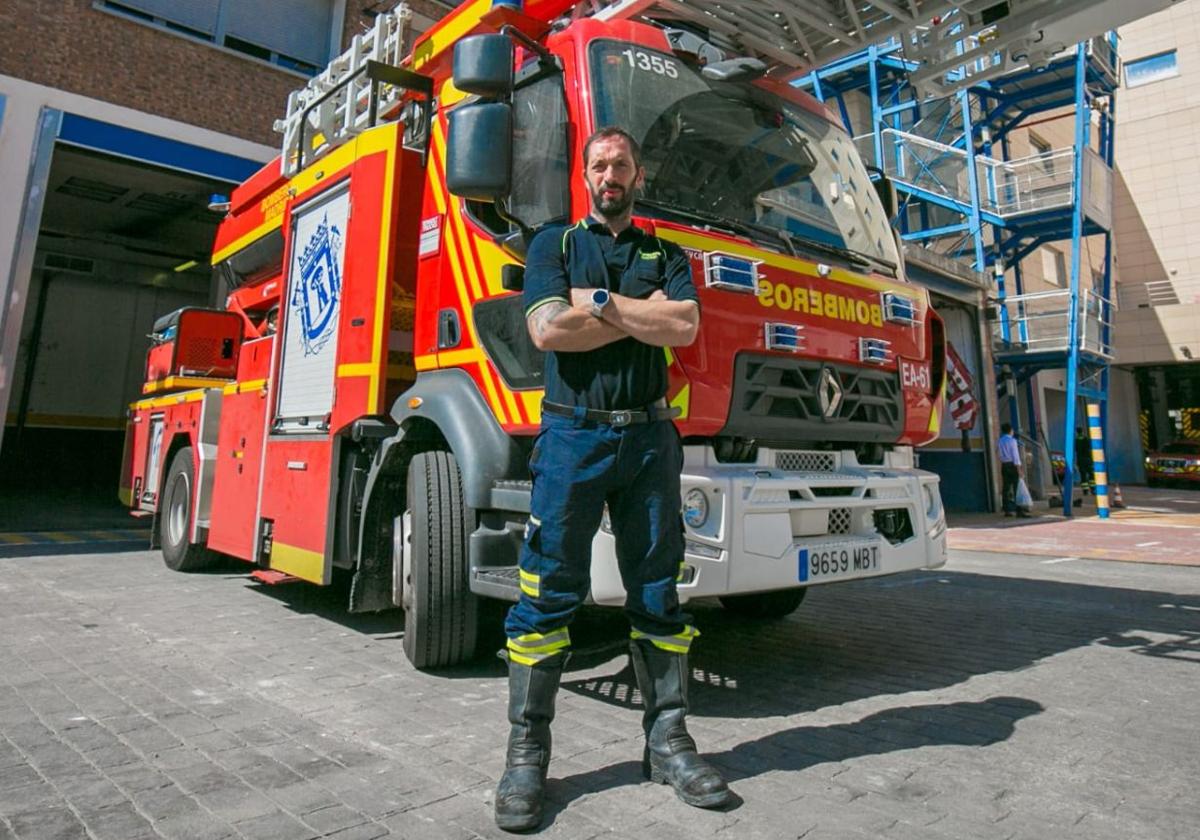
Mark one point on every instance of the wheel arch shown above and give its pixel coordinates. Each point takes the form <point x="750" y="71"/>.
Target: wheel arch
<point x="442" y="410"/>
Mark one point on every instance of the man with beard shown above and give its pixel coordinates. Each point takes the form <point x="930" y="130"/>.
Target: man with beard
<point x="603" y="298"/>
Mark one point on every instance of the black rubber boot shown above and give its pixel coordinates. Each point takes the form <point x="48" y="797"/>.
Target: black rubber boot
<point x="670" y="756"/>
<point x="531" y="691"/>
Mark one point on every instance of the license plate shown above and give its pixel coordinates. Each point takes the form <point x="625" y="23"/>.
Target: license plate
<point x="1168" y="469"/>
<point x="821" y="564"/>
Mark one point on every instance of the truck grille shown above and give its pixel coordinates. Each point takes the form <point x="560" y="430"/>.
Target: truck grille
<point x="799" y="461"/>
<point x="839" y="521"/>
<point x="786" y="400"/>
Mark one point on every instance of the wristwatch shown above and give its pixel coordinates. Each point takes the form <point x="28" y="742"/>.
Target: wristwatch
<point x="600" y="299"/>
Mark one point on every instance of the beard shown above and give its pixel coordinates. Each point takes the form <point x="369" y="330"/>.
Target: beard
<point x="616" y="206"/>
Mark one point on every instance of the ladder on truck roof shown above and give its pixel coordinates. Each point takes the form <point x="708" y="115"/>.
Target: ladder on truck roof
<point x="347" y="97"/>
<point x="957" y="43"/>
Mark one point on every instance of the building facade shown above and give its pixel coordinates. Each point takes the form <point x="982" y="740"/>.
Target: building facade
<point x="1157" y="214"/>
<point x="118" y="123"/>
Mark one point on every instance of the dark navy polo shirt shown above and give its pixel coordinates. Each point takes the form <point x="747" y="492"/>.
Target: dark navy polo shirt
<point x="626" y="373"/>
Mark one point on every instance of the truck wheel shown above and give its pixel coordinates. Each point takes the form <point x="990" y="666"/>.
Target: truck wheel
<point x="765" y="606"/>
<point x="441" y="615"/>
<point x="175" y="517"/>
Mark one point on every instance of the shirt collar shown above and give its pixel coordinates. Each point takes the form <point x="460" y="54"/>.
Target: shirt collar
<point x="597" y="225"/>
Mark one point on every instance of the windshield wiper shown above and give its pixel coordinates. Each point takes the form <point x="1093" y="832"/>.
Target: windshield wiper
<point x="847" y="254"/>
<point x="748" y="229"/>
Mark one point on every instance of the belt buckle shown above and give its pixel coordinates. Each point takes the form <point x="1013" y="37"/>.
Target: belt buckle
<point x="620" y="418"/>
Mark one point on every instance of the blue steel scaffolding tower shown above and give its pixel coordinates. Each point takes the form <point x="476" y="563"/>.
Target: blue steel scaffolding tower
<point x="963" y="199"/>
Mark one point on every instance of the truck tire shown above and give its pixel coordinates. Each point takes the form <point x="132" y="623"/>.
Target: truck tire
<point x="441" y="614"/>
<point x="175" y="517"/>
<point x="765" y="606"/>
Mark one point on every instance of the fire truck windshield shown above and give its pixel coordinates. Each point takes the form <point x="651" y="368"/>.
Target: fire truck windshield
<point x="739" y="152"/>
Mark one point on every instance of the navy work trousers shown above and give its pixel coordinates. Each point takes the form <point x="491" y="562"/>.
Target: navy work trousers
<point x="578" y="466"/>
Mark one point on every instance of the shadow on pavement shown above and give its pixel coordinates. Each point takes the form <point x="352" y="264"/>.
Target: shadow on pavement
<point x="914" y="632"/>
<point x="966" y="724"/>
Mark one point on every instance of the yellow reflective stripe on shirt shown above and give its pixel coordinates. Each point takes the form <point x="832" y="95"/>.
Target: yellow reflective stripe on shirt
<point x="545" y="301"/>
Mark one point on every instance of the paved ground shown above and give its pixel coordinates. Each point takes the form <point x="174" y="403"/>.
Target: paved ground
<point x="1000" y="697"/>
<point x="1155" y="526"/>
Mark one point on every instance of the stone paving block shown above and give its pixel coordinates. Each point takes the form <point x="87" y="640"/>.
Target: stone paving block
<point x="274" y="826"/>
<point x="164" y="802"/>
<point x="120" y="822"/>
<point x="47" y="824"/>
<point x="334" y="818"/>
<point x="203" y="777"/>
<point x="236" y="803"/>
<point x="303" y="796"/>
<point x="18" y="777"/>
<point x="36" y="796"/>
<point x="364" y="831"/>
<point x="411" y="824"/>
<point x="93" y="793"/>
<point x="197" y="825"/>
<point x="216" y="741"/>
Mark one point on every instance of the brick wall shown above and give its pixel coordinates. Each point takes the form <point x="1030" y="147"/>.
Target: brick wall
<point x="69" y="45"/>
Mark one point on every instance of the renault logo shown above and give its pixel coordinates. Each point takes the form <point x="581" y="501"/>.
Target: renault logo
<point x="829" y="392"/>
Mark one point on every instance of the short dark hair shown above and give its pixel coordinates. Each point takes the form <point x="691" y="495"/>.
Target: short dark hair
<point x="608" y="132"/>
<point x="1006" y="428"/>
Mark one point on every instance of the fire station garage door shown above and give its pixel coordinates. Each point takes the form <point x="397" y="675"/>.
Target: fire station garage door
<point x="120" y="243"/>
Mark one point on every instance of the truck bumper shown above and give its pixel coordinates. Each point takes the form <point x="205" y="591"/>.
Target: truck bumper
<point x="794" y="518"/>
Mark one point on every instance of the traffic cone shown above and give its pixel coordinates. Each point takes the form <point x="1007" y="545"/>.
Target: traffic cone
<point x="1118" y="501"/>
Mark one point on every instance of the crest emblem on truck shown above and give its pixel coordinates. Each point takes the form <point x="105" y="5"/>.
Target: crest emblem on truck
<point x="316" y="295"/>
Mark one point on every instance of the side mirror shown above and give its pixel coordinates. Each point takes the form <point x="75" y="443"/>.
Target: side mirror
<point x="483" y="65"/>
<point x="479" y="151"/>
<point x="886" y="191"/>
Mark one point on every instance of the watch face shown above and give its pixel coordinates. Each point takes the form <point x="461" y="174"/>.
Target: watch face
<point x="600" y="297"/>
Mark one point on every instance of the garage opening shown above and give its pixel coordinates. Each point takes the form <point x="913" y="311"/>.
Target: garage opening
<point x="120" y="243"/>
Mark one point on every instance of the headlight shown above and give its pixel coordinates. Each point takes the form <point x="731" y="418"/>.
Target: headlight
<point x="695" y="508"/>
<point x="931" y="501"/>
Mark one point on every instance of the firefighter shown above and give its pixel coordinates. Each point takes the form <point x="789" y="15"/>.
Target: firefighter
<point x="603" y="299"/>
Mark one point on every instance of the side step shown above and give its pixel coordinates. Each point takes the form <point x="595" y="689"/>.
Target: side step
<point x="503" y="582"/>
<point x="512" y="495"/>
<point x="271" y="577"/>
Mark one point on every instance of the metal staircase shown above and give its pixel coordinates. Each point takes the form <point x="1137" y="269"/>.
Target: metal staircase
<point x="965" y="196"/>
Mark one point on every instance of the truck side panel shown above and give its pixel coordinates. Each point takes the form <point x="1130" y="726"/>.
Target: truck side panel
<point x="239" y="457"/>
<point x="336" y="325"/>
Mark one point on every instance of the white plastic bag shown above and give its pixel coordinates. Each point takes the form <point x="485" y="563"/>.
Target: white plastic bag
<point x="1023" y="500"/>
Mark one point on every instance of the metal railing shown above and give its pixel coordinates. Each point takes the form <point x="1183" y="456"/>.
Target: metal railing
<point x="1006" y="187"/>
<point x="1039" y="322"/>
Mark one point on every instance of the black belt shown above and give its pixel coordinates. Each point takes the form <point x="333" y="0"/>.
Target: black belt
<point x="616" y="419"/>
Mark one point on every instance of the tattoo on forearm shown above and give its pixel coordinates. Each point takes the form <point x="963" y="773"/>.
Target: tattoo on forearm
<point x="543" y="315"/>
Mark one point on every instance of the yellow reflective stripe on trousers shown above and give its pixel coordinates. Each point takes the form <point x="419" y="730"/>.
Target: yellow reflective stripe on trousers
<point x="533" y="648"/>
<point x="531" y="584"/>
<point x="679" y="643"/>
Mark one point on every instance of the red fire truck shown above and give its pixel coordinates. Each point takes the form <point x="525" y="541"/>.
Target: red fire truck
<point x="365" y="402"/>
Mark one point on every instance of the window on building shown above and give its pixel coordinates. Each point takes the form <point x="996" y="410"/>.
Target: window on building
<point x="1040" y="147"/>
<point x="1054" y="266"/>
<point x="1152" y="68"/>
<point x="296" y="34"/>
